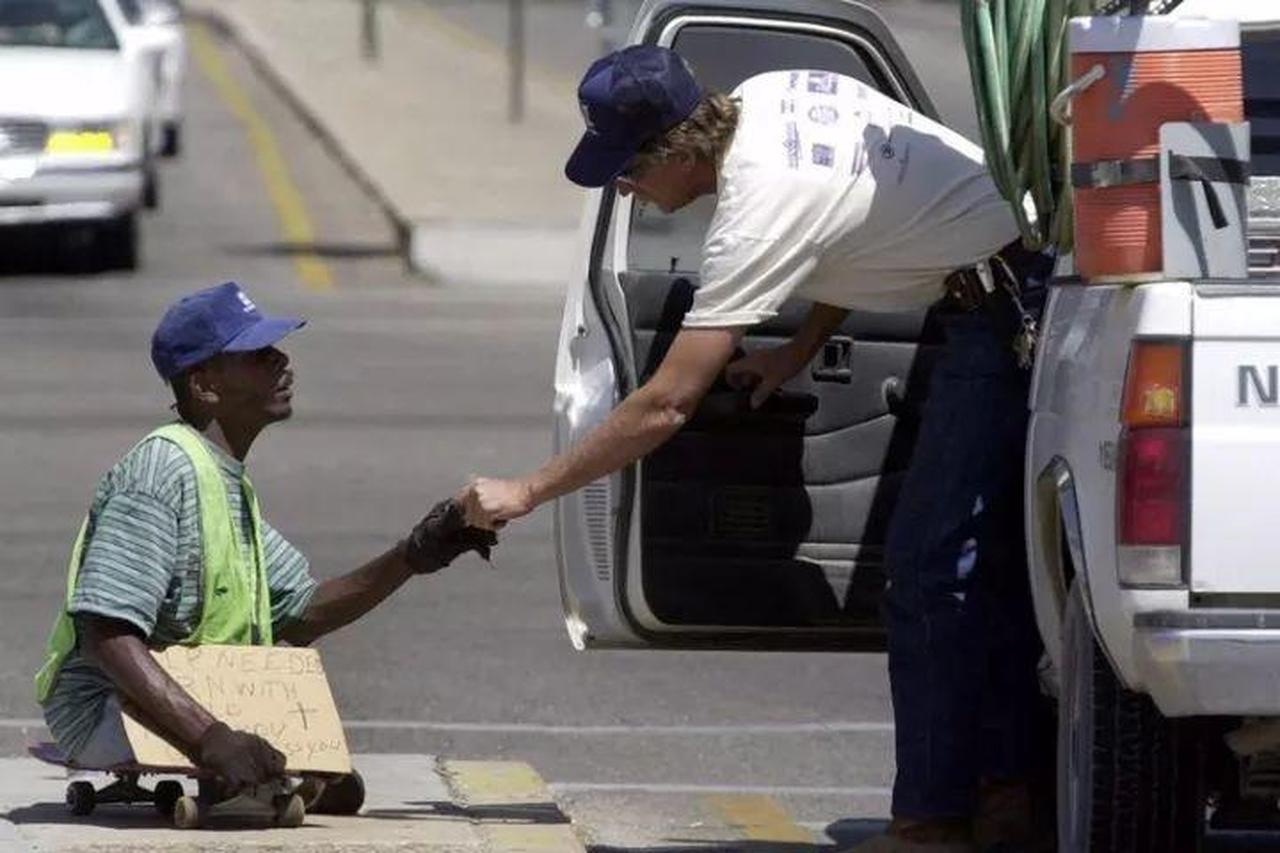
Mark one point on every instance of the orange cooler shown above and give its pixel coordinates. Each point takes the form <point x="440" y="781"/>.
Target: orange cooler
<point x="1155" y="70"/>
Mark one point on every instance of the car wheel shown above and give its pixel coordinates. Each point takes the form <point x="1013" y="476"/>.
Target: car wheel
<point x="1129" y="779"/>
<point x="171" y="141"/>
<point x="150" y="187"/>
<point x="117" y="243"/>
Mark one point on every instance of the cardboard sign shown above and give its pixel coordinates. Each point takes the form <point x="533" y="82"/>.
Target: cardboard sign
<point x="277" y="692"/>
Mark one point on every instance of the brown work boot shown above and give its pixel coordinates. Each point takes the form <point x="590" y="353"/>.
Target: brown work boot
<point x="938" y="835"/>
<point x="1004" y="817"/>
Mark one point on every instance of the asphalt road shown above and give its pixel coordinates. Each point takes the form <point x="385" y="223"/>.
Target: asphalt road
<point x="405" y="388"/>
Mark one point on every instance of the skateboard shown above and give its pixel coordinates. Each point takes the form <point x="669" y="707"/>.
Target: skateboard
<point x="284" y="803"/>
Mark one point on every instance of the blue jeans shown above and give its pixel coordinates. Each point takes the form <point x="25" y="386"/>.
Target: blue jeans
<point x="963" y="643"/>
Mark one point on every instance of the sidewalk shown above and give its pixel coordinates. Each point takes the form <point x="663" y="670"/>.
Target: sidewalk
<point x="413" y="802"/>
<point x="425" y="127"/>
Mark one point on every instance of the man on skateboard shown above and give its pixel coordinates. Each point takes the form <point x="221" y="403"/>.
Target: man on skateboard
<point x="175" y="550"/>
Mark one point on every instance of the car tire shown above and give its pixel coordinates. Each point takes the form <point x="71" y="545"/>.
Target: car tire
<point x="1129" y="779"/>
<point x="171" y="139"/>
<point x="117" y="243"/>
<point x="150" y="187"/>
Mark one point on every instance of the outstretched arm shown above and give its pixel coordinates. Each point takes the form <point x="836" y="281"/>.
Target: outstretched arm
<point x="639" y="425"/>
<point x="433" y="544"/>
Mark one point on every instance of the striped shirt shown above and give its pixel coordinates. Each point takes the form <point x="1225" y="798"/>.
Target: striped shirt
<point x="142" y="563"/>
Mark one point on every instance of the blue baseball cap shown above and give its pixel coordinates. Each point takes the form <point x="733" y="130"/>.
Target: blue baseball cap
<point x="629" y="98"/>
<point x="211" y="321"/>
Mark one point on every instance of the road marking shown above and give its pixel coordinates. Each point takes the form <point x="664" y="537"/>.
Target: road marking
<point x="767" y="790"/>
<point x="511" y="806"/>
<point x="758" y="817"/>
<point x="295" y="223"/>
<point x="835" y="727"/>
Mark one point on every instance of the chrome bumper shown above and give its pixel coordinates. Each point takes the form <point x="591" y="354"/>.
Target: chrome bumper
<point x="1198" y="663"/>
<point x="71" y="195"/>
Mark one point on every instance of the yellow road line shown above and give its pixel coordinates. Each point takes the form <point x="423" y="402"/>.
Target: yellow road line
<point x="503" y="798"/>
<point x="484" y="783"/>
<point x="759" y="818"/>
<point x="291" y="210"/>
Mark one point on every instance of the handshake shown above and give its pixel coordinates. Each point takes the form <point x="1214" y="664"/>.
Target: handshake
<point x="441" y="536"/>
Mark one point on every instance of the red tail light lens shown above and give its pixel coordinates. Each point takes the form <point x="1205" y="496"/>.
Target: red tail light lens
<point x="1152" y="490"/>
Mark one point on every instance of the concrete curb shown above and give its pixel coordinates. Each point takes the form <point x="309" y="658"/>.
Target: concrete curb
<point x="256" y="54"/>
<point x="457" y="251"/>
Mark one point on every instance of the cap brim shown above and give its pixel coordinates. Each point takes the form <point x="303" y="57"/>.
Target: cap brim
<point x="264" y="333"/>
<point x="595" y="163"/>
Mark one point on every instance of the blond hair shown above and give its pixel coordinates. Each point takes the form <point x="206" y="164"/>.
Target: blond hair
<point x="704" y="135"/>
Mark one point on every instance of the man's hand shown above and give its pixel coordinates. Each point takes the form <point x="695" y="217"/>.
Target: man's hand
<point x="764" y="371"/>
<point x="490" y="504"/>
<point x="238" y="758"/>
<point x="442" y="535"/>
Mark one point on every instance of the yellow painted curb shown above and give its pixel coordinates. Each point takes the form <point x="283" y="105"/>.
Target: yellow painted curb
<point x="511" y="806"/>
<point x="295" y="222"/>
<point x="759" y="818"/>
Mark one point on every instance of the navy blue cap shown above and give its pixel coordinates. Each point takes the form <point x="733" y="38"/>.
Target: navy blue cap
<point x="211" y="321"/>
<point x="629" y="98"/>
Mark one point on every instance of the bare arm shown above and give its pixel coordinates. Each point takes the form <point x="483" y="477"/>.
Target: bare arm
<point x="647" y="418"/>
<point x="823" y="319"/>
<point x="119" y="649"/>
<point x="643" y="422"/>
<point x="341" y="601"/>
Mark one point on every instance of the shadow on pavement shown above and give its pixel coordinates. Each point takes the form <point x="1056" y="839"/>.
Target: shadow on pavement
<point x="843" y="834"/>
<point x="532" y="813"/>
<point x="140" y="817"/>
<point x="64" y="251"/>
<point x="349" y="251"/>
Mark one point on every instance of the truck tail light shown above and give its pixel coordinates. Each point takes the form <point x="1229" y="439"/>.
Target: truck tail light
<point x="1153" y="489"/>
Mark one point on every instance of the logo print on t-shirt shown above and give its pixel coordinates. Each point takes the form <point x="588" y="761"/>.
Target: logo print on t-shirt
<point x="823" y="155"/>
<point x="792" y="145"/>
<point x="788" y="106"/>
<point x="793" y="81"/>
<point x="823" y="114"/>
<point x="823" y="82"/>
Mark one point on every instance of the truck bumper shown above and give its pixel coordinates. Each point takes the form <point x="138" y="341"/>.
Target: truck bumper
<point x="1196" y="663"/>
<point x="79" y="195"/>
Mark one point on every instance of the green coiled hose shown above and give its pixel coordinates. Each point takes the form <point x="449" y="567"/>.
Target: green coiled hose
<point x="1018" y="62"/>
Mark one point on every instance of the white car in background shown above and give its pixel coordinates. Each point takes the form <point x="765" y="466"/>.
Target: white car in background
<point x="157" y="25"/>
<point x="77" y="108"/>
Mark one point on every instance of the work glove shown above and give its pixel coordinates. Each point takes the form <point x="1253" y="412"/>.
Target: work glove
<point x="441" y="536"/>
<point x="237" y="758"/>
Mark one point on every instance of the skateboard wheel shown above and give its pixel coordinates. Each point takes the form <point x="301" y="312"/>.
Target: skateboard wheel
<point x="80" y="798"/>
<point x="186" y="813"/>
<point x="167" y="795"/>
<point x="341" y="796"/>
<point x="290" y="811"/>
<point x="311" y="789"/>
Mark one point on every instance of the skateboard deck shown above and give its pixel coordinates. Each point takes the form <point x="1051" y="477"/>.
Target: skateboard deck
<point x="322" y="793"/>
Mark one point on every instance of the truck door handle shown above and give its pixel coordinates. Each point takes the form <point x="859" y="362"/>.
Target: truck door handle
<point x="835" y="362"/>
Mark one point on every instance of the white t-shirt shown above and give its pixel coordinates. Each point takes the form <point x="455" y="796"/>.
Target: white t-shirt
<point x="835" y="193"/>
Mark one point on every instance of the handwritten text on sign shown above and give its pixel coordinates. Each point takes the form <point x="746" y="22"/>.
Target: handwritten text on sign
<point x="279" y="693"/>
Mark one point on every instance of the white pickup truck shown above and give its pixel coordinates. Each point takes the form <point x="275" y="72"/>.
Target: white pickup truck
<point x="1156" y="588"/>
<point x="765" y="529"/>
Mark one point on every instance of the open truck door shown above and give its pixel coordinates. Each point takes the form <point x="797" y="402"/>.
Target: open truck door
<point x="749" y="529"/>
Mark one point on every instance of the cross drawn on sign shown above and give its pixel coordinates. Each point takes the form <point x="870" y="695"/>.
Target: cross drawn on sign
<point x="302" y="712"/>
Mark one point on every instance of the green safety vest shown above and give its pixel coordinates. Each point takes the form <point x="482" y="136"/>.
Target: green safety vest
<point x="240" y="616"/>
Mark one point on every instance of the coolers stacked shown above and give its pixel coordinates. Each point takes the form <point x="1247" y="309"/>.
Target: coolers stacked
<point x="1160" y="149"/>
